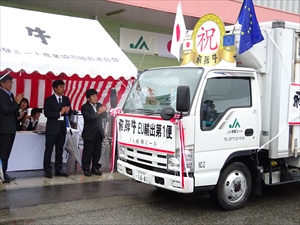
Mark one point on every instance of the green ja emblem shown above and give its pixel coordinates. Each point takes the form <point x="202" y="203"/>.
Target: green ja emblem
<point x="235" y="124"/>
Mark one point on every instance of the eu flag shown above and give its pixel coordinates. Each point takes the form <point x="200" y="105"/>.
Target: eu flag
<point x="250" y="32"/>
<point x="228" y="40"/>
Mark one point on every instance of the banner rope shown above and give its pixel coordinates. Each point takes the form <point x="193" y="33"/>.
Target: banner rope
<point x="114" y="113"/>
<point x="177" y="120"/>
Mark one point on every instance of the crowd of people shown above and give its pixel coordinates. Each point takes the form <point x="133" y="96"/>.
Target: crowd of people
<point x="14" y="117"/>
<point x="27" y="122"/>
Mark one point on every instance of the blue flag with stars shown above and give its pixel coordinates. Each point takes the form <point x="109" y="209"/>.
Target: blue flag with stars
<point x="250" y="32"/>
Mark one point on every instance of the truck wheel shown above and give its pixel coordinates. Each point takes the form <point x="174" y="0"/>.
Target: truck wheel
<point x="234" y="187"/>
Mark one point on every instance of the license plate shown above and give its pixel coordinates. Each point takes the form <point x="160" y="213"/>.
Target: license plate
<point x="142" y="176"/>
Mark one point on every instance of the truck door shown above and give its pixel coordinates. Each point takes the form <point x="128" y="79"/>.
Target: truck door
<point x="228" y="118"/>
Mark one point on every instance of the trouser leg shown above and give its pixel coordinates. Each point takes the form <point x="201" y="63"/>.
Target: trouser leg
<point x="49" y="144"/>
<point x="87" y="154"/>
<point x="6" y="141"/>
<point x="60" y="142"/>
<point x="97" y="151"/>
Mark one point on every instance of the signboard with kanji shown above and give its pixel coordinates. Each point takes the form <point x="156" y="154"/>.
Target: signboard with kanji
<point x="148" y="133"/>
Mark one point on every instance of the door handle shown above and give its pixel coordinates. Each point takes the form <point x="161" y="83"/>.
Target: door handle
<point x="249" y="132"/>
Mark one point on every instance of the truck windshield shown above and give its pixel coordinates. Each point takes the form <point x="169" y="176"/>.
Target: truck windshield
<point x="156" y="88"/>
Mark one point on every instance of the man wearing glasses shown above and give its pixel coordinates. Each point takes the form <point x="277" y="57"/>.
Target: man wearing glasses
<point x="9" y="106"/>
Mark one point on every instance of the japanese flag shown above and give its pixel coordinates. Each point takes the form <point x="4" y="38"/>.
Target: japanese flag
<point x="178" y="32"/>
<point x="187" y="45"/>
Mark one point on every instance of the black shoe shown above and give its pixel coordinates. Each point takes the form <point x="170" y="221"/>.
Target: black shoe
<point x="6" y="176"/>
<point x="61" y="173"/>
<point x="87" y="173"/>
<point x="96" y="166"/>
<point x="6" y="181"/>
<point x="96" y="171"/>
<point x="48" y="175"/>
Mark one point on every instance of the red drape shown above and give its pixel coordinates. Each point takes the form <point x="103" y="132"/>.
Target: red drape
<point x="36" y="87"/>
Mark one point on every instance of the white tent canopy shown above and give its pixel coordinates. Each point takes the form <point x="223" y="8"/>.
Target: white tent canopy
<point x="43" y="42"/>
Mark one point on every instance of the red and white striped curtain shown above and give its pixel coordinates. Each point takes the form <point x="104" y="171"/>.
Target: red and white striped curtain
<point x="36" y="87"/>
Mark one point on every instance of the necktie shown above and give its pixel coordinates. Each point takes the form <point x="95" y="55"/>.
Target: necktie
<point x="59" y="101"/>
<point x="11" y="97"/>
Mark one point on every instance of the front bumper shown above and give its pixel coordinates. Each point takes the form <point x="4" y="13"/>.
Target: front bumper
<point x="166" y="181"/>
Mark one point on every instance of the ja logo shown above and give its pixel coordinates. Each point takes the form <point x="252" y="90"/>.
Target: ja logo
<point x="140" y="44"/>
<point x="235" y="124"/>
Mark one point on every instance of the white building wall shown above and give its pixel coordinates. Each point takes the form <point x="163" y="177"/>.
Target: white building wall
<point x="292" y="6"/>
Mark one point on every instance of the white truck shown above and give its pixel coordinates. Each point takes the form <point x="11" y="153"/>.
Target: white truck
<point x="226" y="129"/>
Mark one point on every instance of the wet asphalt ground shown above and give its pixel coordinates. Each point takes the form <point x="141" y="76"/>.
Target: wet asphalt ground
<point x="126" y="201"/>
<point x="116" y="199"/>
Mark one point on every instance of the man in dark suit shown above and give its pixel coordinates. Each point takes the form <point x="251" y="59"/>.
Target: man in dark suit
<point x="93" y="133"/>
<point x="9" y="106"/>
<point x="57" y="109"/>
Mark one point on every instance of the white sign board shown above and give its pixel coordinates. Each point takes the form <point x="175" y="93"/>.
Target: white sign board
<point x="143" y="42"/>
<point x="148" y="133"/>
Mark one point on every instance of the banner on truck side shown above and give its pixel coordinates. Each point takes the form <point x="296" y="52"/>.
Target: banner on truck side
<point x="294" y="105"/>
<point x="148" y="133"/>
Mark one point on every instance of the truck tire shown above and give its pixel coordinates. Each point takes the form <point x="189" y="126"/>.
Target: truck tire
<point x="234" y="187"/>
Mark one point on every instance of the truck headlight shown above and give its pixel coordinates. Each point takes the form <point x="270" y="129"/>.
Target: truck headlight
<point x="173" y="161"/>
<point x="121" y="152"/>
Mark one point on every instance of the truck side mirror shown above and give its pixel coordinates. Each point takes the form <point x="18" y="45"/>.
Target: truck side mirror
<point x="167" y="113"/>
<point x="183" y="99"/>
<point x="113" y="98"/>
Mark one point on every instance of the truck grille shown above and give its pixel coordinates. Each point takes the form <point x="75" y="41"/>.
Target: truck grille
<point x="147" y="157"/>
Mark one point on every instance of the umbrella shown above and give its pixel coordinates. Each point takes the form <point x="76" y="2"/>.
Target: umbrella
<point x="1" y="171"/>
<point x="72" y="147"/>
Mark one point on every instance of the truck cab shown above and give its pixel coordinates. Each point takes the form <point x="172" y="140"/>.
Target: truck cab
<point x="228" y="128"/>
<point x="223" y="110"/>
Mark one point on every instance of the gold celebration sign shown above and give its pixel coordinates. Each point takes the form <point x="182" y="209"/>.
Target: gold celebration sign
<point x="208" y="44"/>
